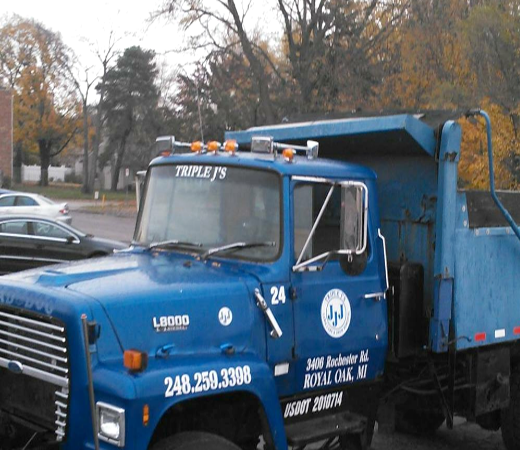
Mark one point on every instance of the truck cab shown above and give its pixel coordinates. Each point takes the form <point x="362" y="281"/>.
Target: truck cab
<point x="302" y="232"/>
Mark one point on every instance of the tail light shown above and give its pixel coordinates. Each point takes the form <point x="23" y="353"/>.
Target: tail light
<point x="65" y="209"/>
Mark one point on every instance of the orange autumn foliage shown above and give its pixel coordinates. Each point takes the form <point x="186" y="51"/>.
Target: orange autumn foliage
<point x="473" y="165"/>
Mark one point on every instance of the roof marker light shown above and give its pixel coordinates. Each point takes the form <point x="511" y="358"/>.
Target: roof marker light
<point x="197" y="146"/>
<point x="231" y="146"/>
<point x="213" y="146"/>
<point x="288" y="154"/>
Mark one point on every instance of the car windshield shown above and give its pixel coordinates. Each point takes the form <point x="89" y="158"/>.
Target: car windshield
<point x="213" y="206"/>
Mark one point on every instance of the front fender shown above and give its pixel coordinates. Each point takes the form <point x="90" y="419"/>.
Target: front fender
<point x="159" y="385"/>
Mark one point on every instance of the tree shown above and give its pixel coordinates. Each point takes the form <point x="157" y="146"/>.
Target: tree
<point x="83" y="88"/>
<point x="473" y="166"/>
<point x="130" y="105"/>
<point x="224" y="15"/>
<point x="35" y="63"/>
<point x="209" y="102"/>
<point x="326" y="56"/>
<point x="492" y="37"/>
<point x="330" y="46"/>
<point x="425" y="61"/>
<point x="105" y="57"/>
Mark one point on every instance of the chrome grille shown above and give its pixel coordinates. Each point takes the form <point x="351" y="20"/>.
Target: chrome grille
<point x="61" y="403"/>
<point x="36" y="346"/>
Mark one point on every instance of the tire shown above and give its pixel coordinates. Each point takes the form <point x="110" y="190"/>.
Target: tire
<point x="195" y="440"/>
<point x="410" y="421"/>
<point x="510" y="417"/>
<point x="352" y="442"/>
<point x="369" y="432"/>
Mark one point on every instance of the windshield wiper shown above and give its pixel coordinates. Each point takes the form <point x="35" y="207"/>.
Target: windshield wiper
<point x="173" y="243"/>
<point x="234" y="247"/>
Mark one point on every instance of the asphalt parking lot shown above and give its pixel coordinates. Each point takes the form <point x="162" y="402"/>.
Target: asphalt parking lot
<point x="464" y="436"/>
<point x="120" y="228"/>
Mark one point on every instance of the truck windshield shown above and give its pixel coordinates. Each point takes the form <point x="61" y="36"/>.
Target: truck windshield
<point x="213" y="206"/>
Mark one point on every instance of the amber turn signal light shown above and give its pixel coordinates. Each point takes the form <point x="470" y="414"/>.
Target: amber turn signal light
<point x="213" y="146"/>
<point x="135" y="361"/>
<point x="231" y="146"/>
<point x="196" y="146"/>
<point x="146" y="415"/>
<point x="288" y="154"/>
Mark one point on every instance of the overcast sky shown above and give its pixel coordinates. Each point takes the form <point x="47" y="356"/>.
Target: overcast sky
<point x="81" y="23"/>
<point x="87" y="25"/>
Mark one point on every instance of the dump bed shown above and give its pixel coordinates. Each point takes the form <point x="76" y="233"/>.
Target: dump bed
<point x="449" y="252"/>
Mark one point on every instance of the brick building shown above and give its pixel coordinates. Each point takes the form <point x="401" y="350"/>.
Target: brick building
<point x="6" y="135"/>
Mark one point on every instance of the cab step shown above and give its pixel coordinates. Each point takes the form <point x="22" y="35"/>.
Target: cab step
<point x="326" y="427"/>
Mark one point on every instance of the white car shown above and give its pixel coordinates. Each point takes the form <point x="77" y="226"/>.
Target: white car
<point x="24" y="203"/>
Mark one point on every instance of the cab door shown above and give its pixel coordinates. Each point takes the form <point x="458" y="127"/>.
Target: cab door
<point x="339" y="310"/>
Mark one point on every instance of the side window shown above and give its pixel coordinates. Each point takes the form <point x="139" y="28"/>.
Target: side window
<point x="14" y="227"/>
<point x="308" y="202"/>
<point x="7" y="201"/>
<point x="48" y="230"/>
<point x="25" y="201"/>
<point x="341" y="225"/>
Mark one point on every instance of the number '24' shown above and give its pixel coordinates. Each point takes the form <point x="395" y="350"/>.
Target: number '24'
<point x="277" y="295"/>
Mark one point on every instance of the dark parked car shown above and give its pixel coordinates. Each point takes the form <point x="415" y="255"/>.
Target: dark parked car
<point x="27" y="242"/>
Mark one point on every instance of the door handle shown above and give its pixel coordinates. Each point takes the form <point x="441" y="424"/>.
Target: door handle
<point x="276" y="331"/>
<point x="377" y="296"/>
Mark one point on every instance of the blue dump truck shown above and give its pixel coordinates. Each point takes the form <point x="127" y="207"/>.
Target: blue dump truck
<point x="293" y="285"/>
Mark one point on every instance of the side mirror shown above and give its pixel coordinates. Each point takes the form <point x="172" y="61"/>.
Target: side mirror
<point x="354" y="264"/>
<point x="354" y="217"/>
<point x="70" y="239"/>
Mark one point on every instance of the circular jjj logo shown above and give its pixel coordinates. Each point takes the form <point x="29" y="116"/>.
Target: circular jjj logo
<point x="225" y="316"/>
<point x="335" y="313"/>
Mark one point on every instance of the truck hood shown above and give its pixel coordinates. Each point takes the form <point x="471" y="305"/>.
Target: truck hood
<point x="154" y="300"/>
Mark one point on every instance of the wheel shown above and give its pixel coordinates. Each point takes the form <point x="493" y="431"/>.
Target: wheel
<point x="369" y="431"/>
<point x="195" y="440"/>
<point x="510" y="417"/>
<point x="352" y="442"/>
<point x="410" y="421"/>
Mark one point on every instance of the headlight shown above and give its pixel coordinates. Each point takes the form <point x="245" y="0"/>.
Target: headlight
<point x="111" y="424"/>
